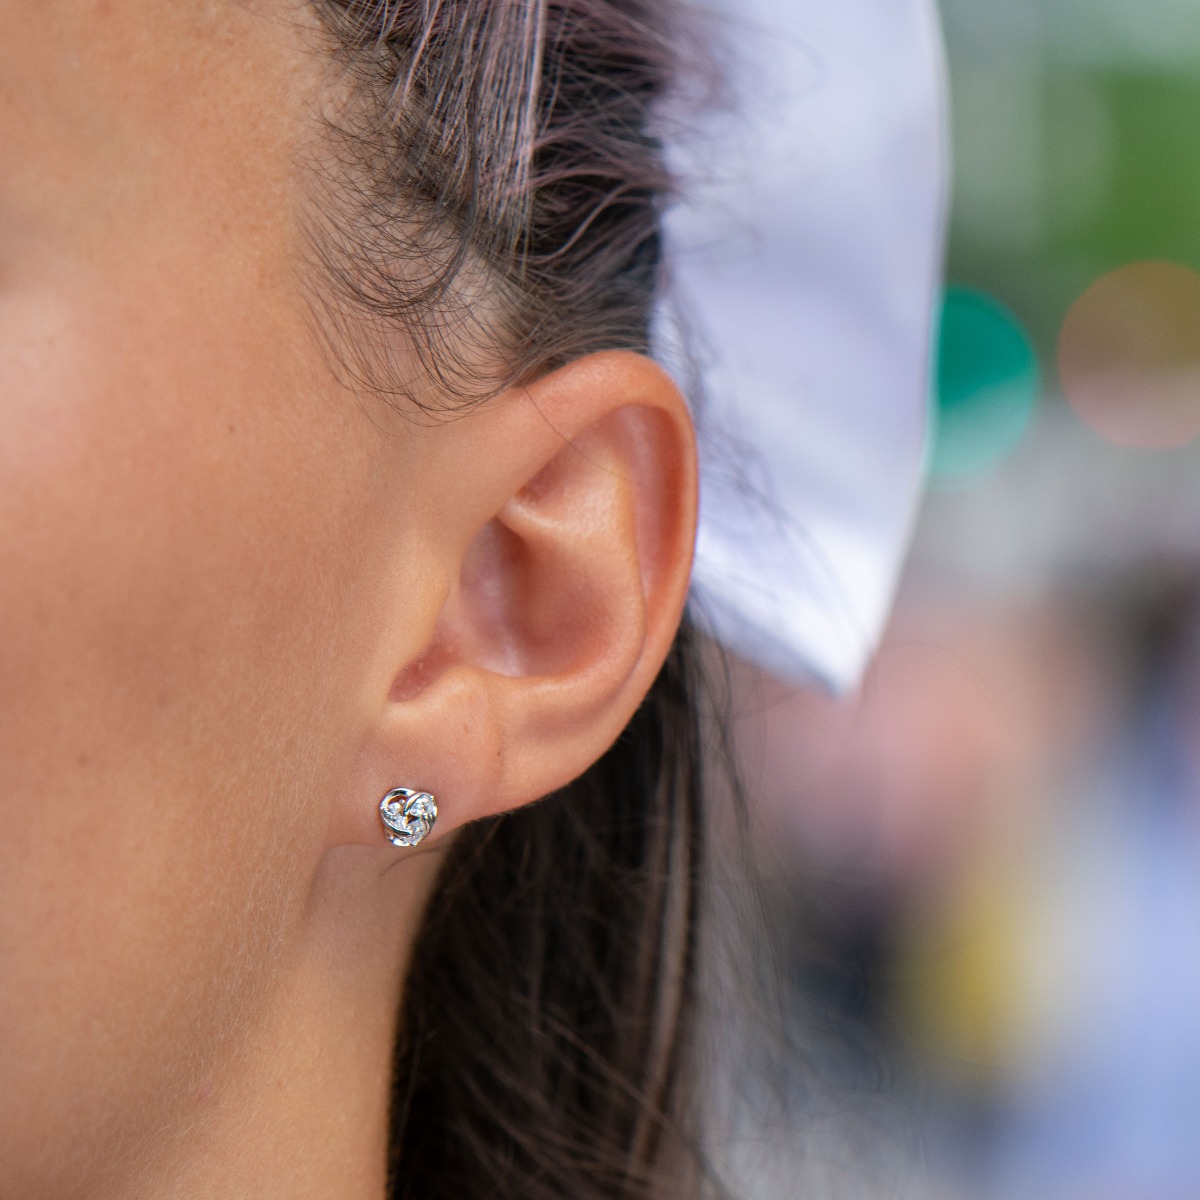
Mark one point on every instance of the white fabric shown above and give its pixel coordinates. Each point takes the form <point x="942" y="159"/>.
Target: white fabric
<point x="811" y="270"/>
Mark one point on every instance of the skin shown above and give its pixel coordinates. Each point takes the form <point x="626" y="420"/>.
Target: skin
<point x="239" y="603"/>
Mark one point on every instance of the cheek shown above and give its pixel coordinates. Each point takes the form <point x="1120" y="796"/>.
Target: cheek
<point x="177" y="638"/>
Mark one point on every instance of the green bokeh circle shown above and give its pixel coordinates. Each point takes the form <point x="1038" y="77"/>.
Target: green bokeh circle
<point x="988" y="383"/>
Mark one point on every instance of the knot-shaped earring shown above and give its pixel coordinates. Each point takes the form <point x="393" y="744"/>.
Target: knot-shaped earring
<point x="407" y="815"/>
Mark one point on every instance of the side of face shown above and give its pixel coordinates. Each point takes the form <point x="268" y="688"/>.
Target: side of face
<point x="239" y="602"/>
<point x="183" y="615"/>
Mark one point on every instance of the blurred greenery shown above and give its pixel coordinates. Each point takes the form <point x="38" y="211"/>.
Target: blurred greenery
<point x="1066" y="170"/>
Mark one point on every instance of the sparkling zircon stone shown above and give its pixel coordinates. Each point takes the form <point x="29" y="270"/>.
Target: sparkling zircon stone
<point x="408" y="816"/>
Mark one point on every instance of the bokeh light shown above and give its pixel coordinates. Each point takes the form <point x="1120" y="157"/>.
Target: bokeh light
<point x="1129" y="355"/>
<point x="987" y="386"/>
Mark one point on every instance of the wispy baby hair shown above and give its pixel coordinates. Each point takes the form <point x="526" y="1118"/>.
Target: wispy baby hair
<point x="499" y="186"/>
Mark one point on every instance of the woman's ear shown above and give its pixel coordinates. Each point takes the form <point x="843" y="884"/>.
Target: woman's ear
<point x="557" y="559"/>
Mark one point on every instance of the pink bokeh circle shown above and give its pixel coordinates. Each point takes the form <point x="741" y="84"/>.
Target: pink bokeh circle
<point x="1129" y="355"/>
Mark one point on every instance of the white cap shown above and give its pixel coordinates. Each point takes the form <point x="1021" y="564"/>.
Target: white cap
<point x="811" y="273"/>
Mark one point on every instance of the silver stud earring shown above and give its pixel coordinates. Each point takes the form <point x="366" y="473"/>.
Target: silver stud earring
<point x="408" y="816"/>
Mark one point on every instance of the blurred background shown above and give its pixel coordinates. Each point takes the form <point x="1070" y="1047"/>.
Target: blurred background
<point x="1000" y="832"/>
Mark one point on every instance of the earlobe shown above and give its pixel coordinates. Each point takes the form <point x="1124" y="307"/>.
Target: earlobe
<point x="569" y="537"/>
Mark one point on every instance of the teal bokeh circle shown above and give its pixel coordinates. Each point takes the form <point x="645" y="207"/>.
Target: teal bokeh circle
<point x="987" y="386"/>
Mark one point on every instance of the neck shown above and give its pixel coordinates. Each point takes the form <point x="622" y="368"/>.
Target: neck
<point x="301" y="1107"/>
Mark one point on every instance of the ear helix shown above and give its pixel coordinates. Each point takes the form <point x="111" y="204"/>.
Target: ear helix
<point x="407" y="816"/>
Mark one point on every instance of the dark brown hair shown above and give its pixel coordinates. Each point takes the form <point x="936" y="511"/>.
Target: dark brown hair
<point x="495" y="197"/>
